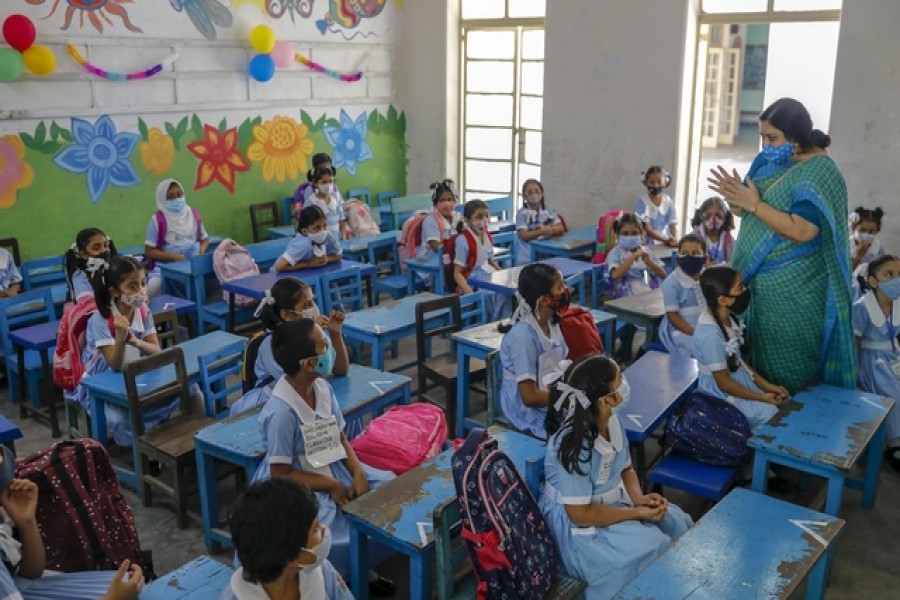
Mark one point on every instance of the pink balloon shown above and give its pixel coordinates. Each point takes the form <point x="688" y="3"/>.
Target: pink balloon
<point x="283" y="54"/>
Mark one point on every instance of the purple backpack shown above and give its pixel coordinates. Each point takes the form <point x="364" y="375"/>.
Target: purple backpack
<point x="709" y="430"/>
<point x="162" y="227"/>
<point x="299" y="198"/>
<point x="512" y="551"/>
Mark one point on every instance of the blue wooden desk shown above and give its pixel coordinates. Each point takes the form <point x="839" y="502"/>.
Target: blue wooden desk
<point x="182" y="307"/>
<point x="203" y="578"/>
<point x="397" y="210"/>
<point x="40" y="338"/>
<point x="109" y="388"/>
<point x="572" y="243"/>
<point x="238" y="441"/>
<point x="399" y="513"/>
<point x="506" y="281"/>
<point x="641" y="310"/>
<point x="659" y="382"/>
<point x="823" y="431"/>
<point x="9" y="433"/>
<point x="256" y="286"/>
<point x="478" y="342"/>
<point x="384" y="324"/>
<point x="748" y="546"/>
<point x="181" y="273"/>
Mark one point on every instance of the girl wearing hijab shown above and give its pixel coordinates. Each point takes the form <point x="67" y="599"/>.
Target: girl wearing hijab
<point x="175" y="232"/>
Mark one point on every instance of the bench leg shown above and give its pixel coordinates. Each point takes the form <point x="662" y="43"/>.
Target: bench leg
<point x="760" y="472"/>
<point x="873" y="465"/>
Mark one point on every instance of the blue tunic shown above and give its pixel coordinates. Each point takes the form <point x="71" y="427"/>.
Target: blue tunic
<point x="301" y="248"/>
<point x="606" y="558"/>
<point x="280" y="421"/>
<point x="681" y="294"/>
<point x="499" y="306"/>
<point x="879" y="350"/>
<point x="9" y="272"/>
<point x="526" y="353"/>
<point x="528" y="219"/>
<point x="333" y="209"/>
<point x="657" y="217"/>
<point x="712" y="355"/>
<point x="638" y="279"/>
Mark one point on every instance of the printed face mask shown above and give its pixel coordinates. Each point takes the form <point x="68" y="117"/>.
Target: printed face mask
<point x="713" y="223"/>
<point x="134" y="300"/>
<point x="778" y="155"/>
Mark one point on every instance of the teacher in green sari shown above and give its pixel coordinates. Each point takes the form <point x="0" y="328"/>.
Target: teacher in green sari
<point x="793" y="253"/>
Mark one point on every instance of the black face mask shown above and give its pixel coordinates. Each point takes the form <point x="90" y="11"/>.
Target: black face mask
<point x="655" y="191"/>
<point x="691" y="265"/>
<point x="741" y="301"/>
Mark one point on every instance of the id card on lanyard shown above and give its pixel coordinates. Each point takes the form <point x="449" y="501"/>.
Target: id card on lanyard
<point x="322" y="442"/>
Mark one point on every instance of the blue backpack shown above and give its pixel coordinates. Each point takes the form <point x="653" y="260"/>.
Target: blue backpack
<point x="709" y="430"/>
<point x="512" y="551"/>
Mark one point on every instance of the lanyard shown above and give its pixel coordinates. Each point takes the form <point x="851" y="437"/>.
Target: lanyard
<point x="892" y="332"/>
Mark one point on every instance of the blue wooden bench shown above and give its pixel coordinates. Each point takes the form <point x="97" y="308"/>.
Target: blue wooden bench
<point x="361" y="194"/>
<point x="694" y="477"/>
<point x="396" y="210"/>
<point x="203" y="578"/>
<point x="748" y="546"/>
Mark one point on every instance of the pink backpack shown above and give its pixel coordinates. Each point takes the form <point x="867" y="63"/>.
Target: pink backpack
<point x="360" y="219"/>
<point x="604" y="235"/>
<point x="402" y="438"/>
<point x="411" y="237"/>
<point x="232" y="261"/>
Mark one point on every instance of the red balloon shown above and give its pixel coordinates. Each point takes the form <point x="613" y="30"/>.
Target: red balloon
<point x="18" y="31"/>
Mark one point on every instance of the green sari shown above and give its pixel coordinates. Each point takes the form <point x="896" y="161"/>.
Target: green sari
<point x="799" y="321"/>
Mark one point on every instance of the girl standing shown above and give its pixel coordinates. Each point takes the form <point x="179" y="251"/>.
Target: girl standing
<point x="535" y="220"/>
<point x="89" y="255"/>
<point x="313" y="246"/>
<point x="474" y="253"/>
<point x="713" y="222"/>
<point x="656" y="208"/>
<point x="605" y="527"/>
<point x="682" y="297"/>
<point x="328" y="198"/>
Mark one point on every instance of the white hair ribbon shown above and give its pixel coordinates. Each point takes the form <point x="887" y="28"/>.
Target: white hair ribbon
<point x="267" y="299"/>
<point x="94" y="264"/>
<point x="522" y="310"/>
<point x="568" y="398"/>
<point x="854" y="217"/>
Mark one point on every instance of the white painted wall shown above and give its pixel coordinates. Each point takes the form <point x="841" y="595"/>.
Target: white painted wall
<point x="612" y="100"/>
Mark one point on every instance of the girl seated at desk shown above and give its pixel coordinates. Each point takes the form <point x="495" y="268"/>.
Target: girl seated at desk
<point x="312" y="247"/>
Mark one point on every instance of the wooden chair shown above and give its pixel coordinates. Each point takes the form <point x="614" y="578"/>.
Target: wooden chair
<point x="12" y="244"/>
<point x="263" y="215"/>
<point x="440" y="369"/>
<point x="168" y="331"/>
<point x="171" y="443"/>
<point x="215" y="370"/>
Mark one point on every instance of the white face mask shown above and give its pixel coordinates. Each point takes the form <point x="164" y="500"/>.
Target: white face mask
<point x="864" y="236"/>
<point x="325" y="188"/>
<point x="319" y="237"/>
<point x="624" y="390"/>
<point x="320" y="551"/>
<point x="310" y="313"/>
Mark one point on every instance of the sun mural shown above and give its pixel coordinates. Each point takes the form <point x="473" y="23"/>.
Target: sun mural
<point x="95" y="11"/>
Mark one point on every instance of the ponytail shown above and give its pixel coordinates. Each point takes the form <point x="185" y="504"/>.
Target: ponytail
<point x="119" y="268"/>
<point x="284" y="295"/>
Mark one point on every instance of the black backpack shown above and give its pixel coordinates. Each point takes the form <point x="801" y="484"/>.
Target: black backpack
<point x="709" y="430"/>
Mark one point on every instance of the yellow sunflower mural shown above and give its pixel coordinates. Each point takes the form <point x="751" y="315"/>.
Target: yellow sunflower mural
<point x="15" y="173"/>
<point x="158" y="152"/>
<point x="282" y="147"/>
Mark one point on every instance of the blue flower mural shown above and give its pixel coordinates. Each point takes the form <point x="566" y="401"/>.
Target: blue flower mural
<point x="349" y="142"/>
<point x="100" y="153"/>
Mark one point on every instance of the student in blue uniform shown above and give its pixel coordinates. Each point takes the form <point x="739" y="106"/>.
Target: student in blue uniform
<point x="326" y="196"/>
<point x="682" y="297"/>
<point x="281" y="545"/>
<point x="656" y="208"/>
<point x="88" y="255"/>
<point x="718" y="338"/>
<point x="10" y="277"/>
<point x="631" y="267"/>
<point x="313" y="246"/>
<point x="535" y="220"/>
<point x="302" y="404"/>
<point x="474" y="232"/>
<point x="605" y="527"/>
<point x="533" y="351"/>
<point x="185" y="235"/>
<point x="442" y="222"/>
<point x="876" y="320"/>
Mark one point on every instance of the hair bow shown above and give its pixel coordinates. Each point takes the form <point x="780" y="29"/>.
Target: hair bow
<point x="522" y="310"/>
<point x="267" y="299"/>
<point x="94" y="264"/>
<point x="854" y="218"/>
<point x="567" y="399"/>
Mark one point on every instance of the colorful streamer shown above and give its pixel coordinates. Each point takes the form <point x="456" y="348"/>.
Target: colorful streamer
<point x="330" y="72"/>
<point x="95" y="70"/>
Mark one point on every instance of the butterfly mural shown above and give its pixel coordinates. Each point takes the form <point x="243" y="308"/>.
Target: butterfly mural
<point x="205" y="15"/>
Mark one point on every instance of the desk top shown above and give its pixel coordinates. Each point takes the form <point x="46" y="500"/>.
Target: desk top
<point x="660" y="251"/>
<point x="488" y="338"/>
<point x="404" y="507"/>
<point x="362" y="244"/>
<point x="387" y="317"/>
<point x="201" y="579"/>
<point x="647" y="304"/>
<point x="282" y="231"/>
<point x="748" y="546"/>
<point x="823" y="425"/>
<point x="112" y="383"/>
<point x="658" y="381"/>
<point x="36" y="337"/>
<point x="165" y="302"/>
<point x="506" y="281"/>
<point x="256" y="286"/>
<point x="576" y="238"/>
<point x="360" y="387"/>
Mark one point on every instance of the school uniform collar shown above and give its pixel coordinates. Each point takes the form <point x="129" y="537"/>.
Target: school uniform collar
<point x="734" y="327"/>
<point x="475" y="235"/>
<point x="616" y="440"/>
<point x="545" y="341"/>
<point x="312" y="585"/>
<point x="685" y="280"/>
<point x="284" y="390"/>
<point x="876" y="315"/>
<point x="651" y="210"/>
<point x="137" y="323"/>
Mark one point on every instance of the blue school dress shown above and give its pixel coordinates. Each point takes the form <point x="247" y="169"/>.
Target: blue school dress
<point x="81" y="285"/>
<point x="333" y="209"/>
<point x="681" y="294"/>
<point x="879" y="356"/>
<point x="9" y="272"/>
<point x="639" y="278"/>
<point x="606" y="558"/>
<point x="527" y="354"/>
<point x="118" y="423"/>
<point x="185" y="244"/>
<point x="499" y="306"/>
<point x="528" y="219"/>
<point x="862" y="270"/>
<point x="322" y="583"/>
<point x="434" y="230"/>
<point x="711" y="352"/>
<point x="302" y="248"/>
<point x="280" y="422"/>
<point x="657" y="217"/>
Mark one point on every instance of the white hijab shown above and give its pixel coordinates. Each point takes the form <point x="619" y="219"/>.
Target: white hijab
<point x="179" y="225"/>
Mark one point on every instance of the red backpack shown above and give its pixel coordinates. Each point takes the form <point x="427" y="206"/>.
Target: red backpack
<point x="162" y="227"/>
<point x="450" y="255"/>
<point x="604" y="235"/>
<point x="580" y="332"/>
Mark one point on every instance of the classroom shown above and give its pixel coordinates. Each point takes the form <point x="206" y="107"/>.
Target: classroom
<point x="319" y="299"/>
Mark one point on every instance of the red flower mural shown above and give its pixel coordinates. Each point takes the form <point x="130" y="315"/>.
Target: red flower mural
<point x="219" y="158"/>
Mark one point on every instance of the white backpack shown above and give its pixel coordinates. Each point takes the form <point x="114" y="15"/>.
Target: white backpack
<point x="232" y="261"/>
<point x="359" y="218"/>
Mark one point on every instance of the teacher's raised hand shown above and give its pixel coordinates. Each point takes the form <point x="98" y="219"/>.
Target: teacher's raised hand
<point x="731" y="187"/>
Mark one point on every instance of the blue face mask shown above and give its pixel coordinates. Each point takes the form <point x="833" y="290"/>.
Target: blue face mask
<point x="624" y="391"/>
<point x="630" y="242"/>
<point x="778" y="155"/>
<point x="890" y="288"/>
<point x="326" y="361"/>
<point x="177" y="205"/>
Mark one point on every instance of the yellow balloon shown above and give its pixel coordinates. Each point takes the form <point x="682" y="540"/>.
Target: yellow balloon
<point x="262" y="38"/>
<point x="40" y="60"/>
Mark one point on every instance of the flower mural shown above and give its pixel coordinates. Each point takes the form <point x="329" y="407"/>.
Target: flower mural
<point x="158" y="152"/>
<point x="15" y="173"/>
<point x="102" y="154"/>
<point x="349" y="142"/>
<point x="282" y="146"/>
<point x="219" y="157"/>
